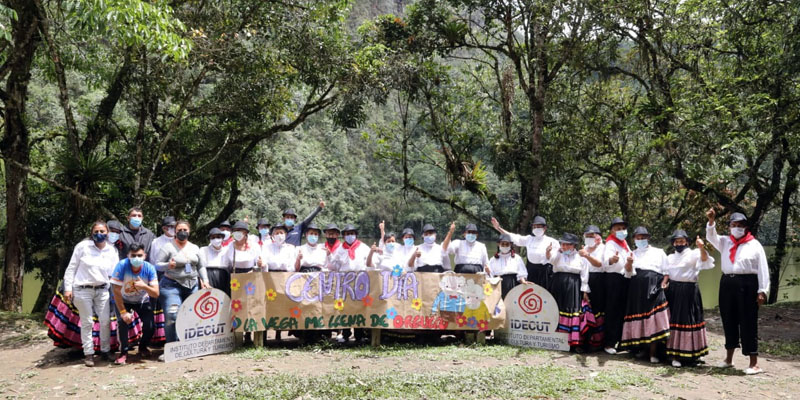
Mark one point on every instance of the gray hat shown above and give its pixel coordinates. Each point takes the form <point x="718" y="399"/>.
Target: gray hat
<point x="332" y="227"/>
<point x="471" y="227"/>
<point x="168" y="221"/>
<point x="617" y="221"/>
<point x="350" y="227"/>
<point x="263" y="221"/>
<point x="278" y="226"/>
<point x="678" y="234"/>
<point x="289" y="211"/>
<point x="592" y="229"/>
<point x="214" y="231"/>
<point x="114" y="224"/>
<point x="428" y="228"/>
<point x="225" y="223"/>
<point x="408" y="231"/>
<point x="569" y="238"/>
<point x="504" y="238"/>
<point x="241" y="225"/>
<point x="640" y="230"/>
<point x="738" y="217"/>
<point x="312" y="227"/>
<point x="539" y="220"/>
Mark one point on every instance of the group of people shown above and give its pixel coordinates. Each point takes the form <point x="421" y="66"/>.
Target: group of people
<point x="640" y="299"/>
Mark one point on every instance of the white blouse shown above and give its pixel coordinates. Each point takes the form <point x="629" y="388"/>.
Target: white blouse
<point x="536" y="246"/>
<point x="686" y="265"/>
<point x="432" y="254"/>
<point x="504" y="264"/>
<point x="242" y="259"/>
<point x="750" y="257"/>
<point x="341" y="261"/>
<point x="213" y="258"/>
<point x="651" y="259"/>
<point x="313" y="256"/>
<point x="90" y="265"/>
<point x="279" y="257"/>
<point x="468" y="253"/>
<point x="572" y="264"/>
<point x="611" y="250"/>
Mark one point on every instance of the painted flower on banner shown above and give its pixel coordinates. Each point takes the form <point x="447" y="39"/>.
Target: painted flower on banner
<point x="472" y="322"/>
<point x="367" y="300"/>
<point x="397" y="270"/>
<point x="250" y="288"/>
<point x="338" y="304"/>
<point x="483" y="325"/>
<point x="487" y="289"/>
<point x="462" y="320"/>
<point x="271" y="295"/>
<point x="235" y="284"/>
<point x="391" y="313"/>
<point x="236" y="305"/>
<point x="416" y="303"/>
<point x="295" y="312"/>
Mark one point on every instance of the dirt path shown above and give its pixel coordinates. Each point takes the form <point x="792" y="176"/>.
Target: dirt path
<point x="34" y="368"/>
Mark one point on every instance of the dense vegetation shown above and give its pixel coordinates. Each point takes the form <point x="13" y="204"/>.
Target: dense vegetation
<point x="409" y="112"/>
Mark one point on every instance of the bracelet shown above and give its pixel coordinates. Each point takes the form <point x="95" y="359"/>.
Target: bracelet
<point x="123" y="311"/>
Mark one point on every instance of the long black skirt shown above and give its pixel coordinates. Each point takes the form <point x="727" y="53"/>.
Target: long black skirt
<point x="509" y="281"/>
<point x="310" y="269"/>
<point x="647" y="312"/>
<point x="540" y="274"/>
<point x="597" y="299"/>
<point x="430" y="268"/>
<point x="220" y="279"/>
<point x="616" y="299"/>
<point x="468" y="269"/>
<point x="566" y="289"/>
<point x="687" y="327"/>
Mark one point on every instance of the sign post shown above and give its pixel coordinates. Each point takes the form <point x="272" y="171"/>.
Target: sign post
<point x="532" y="319"/>
<point x="203" y="326"/>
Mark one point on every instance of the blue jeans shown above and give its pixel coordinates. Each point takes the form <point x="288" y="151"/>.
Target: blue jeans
<point x="171" y="295"/>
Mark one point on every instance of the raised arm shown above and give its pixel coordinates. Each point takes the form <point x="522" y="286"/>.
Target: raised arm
<point x="711" y="229"/>
<point x="449" y="236"/>
<point x="311" y="216"/>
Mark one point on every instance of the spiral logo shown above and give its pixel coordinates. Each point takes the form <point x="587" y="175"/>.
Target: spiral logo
<point x="206" y="306"/>
<point x="530" y="302"/>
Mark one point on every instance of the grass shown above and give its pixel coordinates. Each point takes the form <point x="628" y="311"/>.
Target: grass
<point x="779" y="349"/>
<point x="550" y="381"/>
<point x="17" y="329"/>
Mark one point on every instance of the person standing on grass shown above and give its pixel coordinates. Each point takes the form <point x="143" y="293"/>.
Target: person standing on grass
<point x="86" y="284"/>
<point x="742" y="289"/>
<point x="539" y="270"/>
<point x="135" y="285"/>
<point x="593" y="250"/>
<point x="569" y="286"/>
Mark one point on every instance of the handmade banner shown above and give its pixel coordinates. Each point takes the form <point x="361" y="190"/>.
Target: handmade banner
<point x="365" y="299"/>
<point x="203" y="326"/>
<point x="532" y="319"/>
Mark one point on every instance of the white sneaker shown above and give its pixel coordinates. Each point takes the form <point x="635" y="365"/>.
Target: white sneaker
<point x="723" y="364"/>
<point x="340" y="339"/>
<point x="676" y="363"/>
<point x="654" y="360"/>
<point x="753" y="371"/>
<point x="161" y="358"/>
<point x="611" y="350"/>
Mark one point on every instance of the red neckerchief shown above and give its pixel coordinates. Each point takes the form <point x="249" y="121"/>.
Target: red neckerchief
<point x="736" y="242"/>
<point x="227" y="241"/>
<point x="351" y="248"/>
<point x="621" y="243"/>
<point x="334" y="247"/>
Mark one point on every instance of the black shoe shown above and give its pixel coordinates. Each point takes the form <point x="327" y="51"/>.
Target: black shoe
<point x="105" y="356"/>
<point x="89" y="361"/>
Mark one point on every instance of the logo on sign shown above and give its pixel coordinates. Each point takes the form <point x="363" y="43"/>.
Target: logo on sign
<point x="206" y="306"/>
<point x="530" y="302"/>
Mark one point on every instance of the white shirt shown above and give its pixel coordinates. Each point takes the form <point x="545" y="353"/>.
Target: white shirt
<point x="750" y="257"/>
<point x="571" y="264"/>
<point x="432" y="254"/>
<point x="651" y="259"/>
<point x="155" y="248"/>
<point x="468" y="253"/>
<point x="536" y="246"/>
<point x="279" y="257"/>
<point x="242" y="259"/>
<point x="313" y="256"/>
<point x="610" y="251"/>
<point x="598" y="253"/>
<point x="402" y="254"/>
<point x="504" y="264"/>
<point x="90" y="265"/>
<point x="686" y="265"/>
<point x="341" y="261"/>
<point x="213" y="258"/>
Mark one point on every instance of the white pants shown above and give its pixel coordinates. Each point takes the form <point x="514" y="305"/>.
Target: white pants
<point x="90" y="302"/>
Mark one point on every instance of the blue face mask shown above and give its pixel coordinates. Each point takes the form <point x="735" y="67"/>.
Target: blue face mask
<point x="113" y="237"/>
<point x="312" y="239"/>
<point x="408" y="242"/>
<point x="99" y="237"/>
<point x="135" y="222"/>
<point x="288" y="222"/>
<point x="621" y="235"/>
<point x="568" y="252"/>
<point x="430" y="239"/>
<point x="263" y="232"/>
<point x="136" y="261"/>
<point x="390" y="247"/>
<point x="641" y="243"/>
<point x="349" y="239"/>
<point x="471" y="237"/>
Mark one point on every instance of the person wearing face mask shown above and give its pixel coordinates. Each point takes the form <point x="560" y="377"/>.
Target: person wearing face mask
<point x="687" y="327"/>
<point x="405" y="249"/>
<point x="135" y="232"/>
<point x="114" y="232"/>
<point x="135" y="285"/>
<point x="593" y="250"/>
<point x="351" y="256"/>
<point x="383" y="259"/>
<point x="470" y="254"/>
<point x="646" y="322"/>
<point x="570" y="286"/>
<point x="263" y="226"/>
<point x="615" y="255"/>
<point x="311" y="257"/>
<point x="181" y="260"/>
<point x="86" y="284"/>
<point x="225" y="227"/>
<point x="539" y="270"/>
<point x="168" y="233"/>
<point x="214" y="258"/>
<point x="279" y="256"/>
<point x="742" y="289"/>
<point x="294" y="229"/>
<point x="507" y="265"/>
<point x="243" y="256"/>
<point x="332" y="233"/>
<point x="430" y="256"/>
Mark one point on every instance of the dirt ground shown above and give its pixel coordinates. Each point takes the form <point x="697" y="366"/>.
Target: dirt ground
<point x="33" y="368"/>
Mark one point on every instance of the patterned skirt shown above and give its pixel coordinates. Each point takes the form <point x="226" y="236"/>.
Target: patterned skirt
<point x="566" y="289"/>
<point x="646" y="313"/>
<point x="687" y="327"/>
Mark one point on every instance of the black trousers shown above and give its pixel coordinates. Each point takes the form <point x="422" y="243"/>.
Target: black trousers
<point x="738" y="307"/>
<point x="145" y="311"/>
<point x="615" y="302"/>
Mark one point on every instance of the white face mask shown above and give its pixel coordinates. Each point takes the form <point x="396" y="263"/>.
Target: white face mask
<point x="238" y="235"/>
<point x="505" y="249"/>
<point x="588" y="241"/>
<point x="279" y="238"/>
<point x="737" y="232"/>
<point x="226" y="235"/>
<point x="170" y="232"/>
<point x="538" y="232"/>
<point x="216" y="243"/>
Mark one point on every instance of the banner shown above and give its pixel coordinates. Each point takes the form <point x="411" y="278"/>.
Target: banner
<point x="532" y="319"/>
<point x="365" y="299"/>
<point x="203" y="326"/>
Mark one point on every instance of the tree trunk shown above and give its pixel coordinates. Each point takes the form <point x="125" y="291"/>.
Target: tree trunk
<point x="776" y="260"/>
<point x="16" y="149"/>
